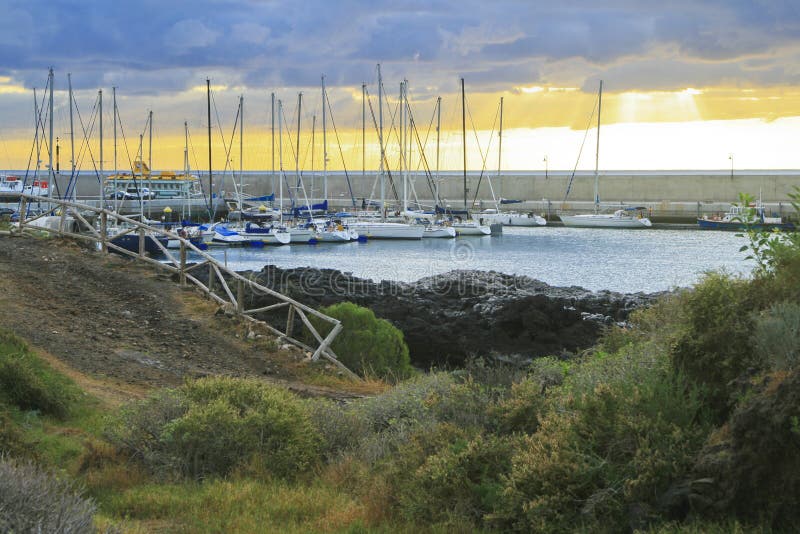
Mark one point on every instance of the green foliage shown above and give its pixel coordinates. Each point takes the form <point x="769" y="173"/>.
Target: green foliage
<point x="11" y="438"/>
<point x="618" y="433"/>
<point x="213" y="426"/>
<point x="716" y="346"/>
<point x="777" y="335"/>
<point x="769" y="248"/>
<point x="29" y="383"/>
<point x="32" y="500"/>
<point x="368" y="345"/>
<point x="448" y="476"/>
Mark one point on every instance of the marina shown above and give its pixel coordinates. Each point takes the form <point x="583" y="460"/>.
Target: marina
<point x="647" y="260"/>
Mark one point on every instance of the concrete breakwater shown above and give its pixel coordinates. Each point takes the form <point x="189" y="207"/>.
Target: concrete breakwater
<point x="670" y="194"/>
<point x="449" y="317"/>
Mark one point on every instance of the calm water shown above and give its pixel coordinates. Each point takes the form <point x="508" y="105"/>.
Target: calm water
<point x="619" y="260"/>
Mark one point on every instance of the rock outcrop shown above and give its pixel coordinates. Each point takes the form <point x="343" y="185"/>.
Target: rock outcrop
<point x="449" y="317"/>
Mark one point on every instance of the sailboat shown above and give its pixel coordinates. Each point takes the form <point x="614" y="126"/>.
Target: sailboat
<point x="467" y="226"/>
<point x="632" y="217"/>
<point x="383" y="229"/>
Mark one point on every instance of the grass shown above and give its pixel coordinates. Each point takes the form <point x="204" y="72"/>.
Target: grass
<point x="240" y="506"/>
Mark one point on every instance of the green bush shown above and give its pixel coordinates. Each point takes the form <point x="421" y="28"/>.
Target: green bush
<point x="459" y="479"/>
<point x="716" y="346"/>
<point x="213" y="426"/>
<point x="614" y="437"/>
<point x="368" y="345"/>
<point x="29" y="384"/>
<point x="777" y="335"/>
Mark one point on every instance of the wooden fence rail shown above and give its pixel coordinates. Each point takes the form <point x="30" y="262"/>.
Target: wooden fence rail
<point x="71" y="219"/>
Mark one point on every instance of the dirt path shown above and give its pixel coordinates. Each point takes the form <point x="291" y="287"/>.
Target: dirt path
<point x="127" y="328"/>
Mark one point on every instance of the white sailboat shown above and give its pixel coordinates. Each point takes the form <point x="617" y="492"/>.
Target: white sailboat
<point x="622" y="218"/>
<point x="471" y="226"/>
<point x="383" y="229"/>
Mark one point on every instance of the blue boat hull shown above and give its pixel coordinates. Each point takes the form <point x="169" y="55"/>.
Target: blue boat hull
<point x="707" y="224"/>
<point x="131" y="242"/>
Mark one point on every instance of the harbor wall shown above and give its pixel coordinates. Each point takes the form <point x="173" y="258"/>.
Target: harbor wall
<point x="667" y="193"/>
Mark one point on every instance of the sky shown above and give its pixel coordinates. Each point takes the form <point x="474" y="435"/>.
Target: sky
<point x="687" y="84"/>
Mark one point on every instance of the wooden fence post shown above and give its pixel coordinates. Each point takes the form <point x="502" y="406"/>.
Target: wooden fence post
<point x="23" y="210"/>
<point x="103" y="231"/>
<point x="182" y="275"/>
<point x="211" y="278"/>
<point x="290" y="321"/>
<point x="141" y="242"/>
<point x="239" y="295"/>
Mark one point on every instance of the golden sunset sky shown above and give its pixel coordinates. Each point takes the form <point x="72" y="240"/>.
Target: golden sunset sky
<point x="687" y="85"/>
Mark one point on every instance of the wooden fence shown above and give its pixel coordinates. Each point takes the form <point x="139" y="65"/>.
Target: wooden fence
<point x="226" y="287"/>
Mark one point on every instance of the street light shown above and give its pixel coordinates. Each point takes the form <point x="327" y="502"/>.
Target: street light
<point x="730" y="157"/>
<point x="545" y="166"/>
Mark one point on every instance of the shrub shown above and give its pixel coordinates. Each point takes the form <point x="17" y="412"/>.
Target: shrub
<point x="368" y="345"/>
<point x="215" y="425"/>
<point x="777" y="335"/>
<point x="716" y="346"/>
<point x="32" y="500"/>
<point x="614" y="437"/>
<point x="458" y="479"/>
<point x="29" y="384"/>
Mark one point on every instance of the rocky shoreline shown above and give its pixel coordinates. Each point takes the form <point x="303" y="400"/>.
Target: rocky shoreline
<point x="449" y="317"/>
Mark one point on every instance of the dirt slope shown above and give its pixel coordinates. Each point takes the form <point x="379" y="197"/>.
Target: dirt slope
<point x="125" y="327"/>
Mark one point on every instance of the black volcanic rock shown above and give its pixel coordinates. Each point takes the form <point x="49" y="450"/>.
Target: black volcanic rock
<point x="448" y="317"/>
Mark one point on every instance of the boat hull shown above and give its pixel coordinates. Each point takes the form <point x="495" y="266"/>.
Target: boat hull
<point x="710" y="224"/>
<point x="442" y="232"/>
<point x="380" y="230"/>
<point x="466" y="229"/>
<point x="604" y="221"/>
<point x="334" y="236"/>
<point x="526" y="220"/>
<point x="130" y="242"/>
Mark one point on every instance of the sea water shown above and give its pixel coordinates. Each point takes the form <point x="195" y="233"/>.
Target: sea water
<point x="594" y="258"/>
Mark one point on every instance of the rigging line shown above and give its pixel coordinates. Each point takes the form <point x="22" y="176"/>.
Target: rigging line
<point x="341" y="154"/>
<point x="383" y="150"/>
<point x="197" y="166"/>
<point x="82" y="148"/>
<point x="485" y="157"/>
<point x="225" y="146"/>
<point x="423" y="158"/>
<point x="580" y="151"/>
<point x="284" y="174"/>
<point x="36" y="145"/>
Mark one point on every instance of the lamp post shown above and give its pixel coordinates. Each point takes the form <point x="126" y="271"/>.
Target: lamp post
<point x="545" y="167"/>
<point x="730" y="157"/>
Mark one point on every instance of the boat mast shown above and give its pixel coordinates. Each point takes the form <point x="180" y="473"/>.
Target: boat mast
<point x="464" y="138"/>
<point x="380" y="140"/>
<point x="241" y="150"/>
<point x="36" y="138"/>
<point x="149" y="162"/>
<point x="52" y="171"/>
<point x="438" y="134"/>
<point x="210" y="172"/>
<point x="185" y="169"/>
<point x="403" y="133"/>
<point x="499" y="156"/>
<point x="150" y="144"/>
<point x="363" y="133"/>
<point x="100" y="113"/>
<point x="597" y="153"/>
<point x="272" y="116"/>
<point x="313" y="142"/>
<point x="324" y="145"/>
<point x="71" y="134"/>
<point x="280" y="157"/>
<point x="114" y="112"/>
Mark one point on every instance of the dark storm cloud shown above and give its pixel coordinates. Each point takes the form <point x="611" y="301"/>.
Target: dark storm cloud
<point x="155" y="46"/>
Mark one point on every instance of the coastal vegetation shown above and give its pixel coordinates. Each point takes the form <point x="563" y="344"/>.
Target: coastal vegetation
<point x="686" y="419"/>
